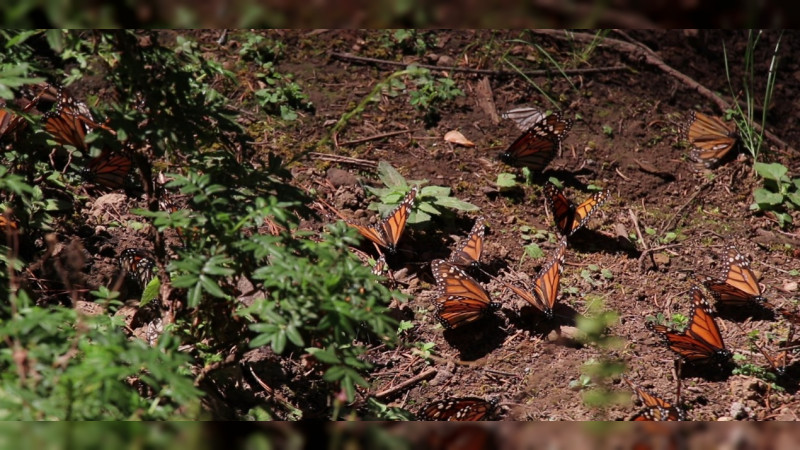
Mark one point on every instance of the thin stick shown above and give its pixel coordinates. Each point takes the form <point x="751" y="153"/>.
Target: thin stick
<point x="677" y="213"/>
<point x="411" y="381"/>
<point x="372" y="138"/>
<point x="345" y="160"/>
<point x="497" y="73"/>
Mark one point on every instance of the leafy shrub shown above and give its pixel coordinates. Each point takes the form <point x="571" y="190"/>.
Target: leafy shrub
<point x="430" y="201"/>
<point x="235" y="218"/>
<point x="780" y="194"/>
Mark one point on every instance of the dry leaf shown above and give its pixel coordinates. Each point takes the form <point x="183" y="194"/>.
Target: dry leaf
<point x="457" y="138"/>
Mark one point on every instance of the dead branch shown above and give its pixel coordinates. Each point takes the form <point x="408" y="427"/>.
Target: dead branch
<point x="410" y="382"/>
<point x="639" y="51"/>
<point x="375" y="137"/>
<point x="496" y="73"/>
<point x="372" y="165"/>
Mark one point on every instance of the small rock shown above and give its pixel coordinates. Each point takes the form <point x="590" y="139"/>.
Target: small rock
<point x="445" y="61"/>
<point x="339" y="177"/>
<point x="739" y="411"/>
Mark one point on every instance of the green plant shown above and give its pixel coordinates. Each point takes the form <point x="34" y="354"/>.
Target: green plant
<point x="407" y="40"/>
<point x="779" y="194"/>
<point x="282" y="96"/>
<point x="430" y="201"/>
<point x="608" y="130"/>
<point x="431" y="93"/>
<point x="424" y="349"/>
<point x="753" y="139"/>
<point x="597" y="372"/>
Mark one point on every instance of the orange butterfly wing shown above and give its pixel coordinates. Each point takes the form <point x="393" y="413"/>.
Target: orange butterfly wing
<point x="460" y="299"/>
<point x="468" y="252"/>
<point x="710" y="137"/>
<point x="545" y="287"/>
<point x="570" y="218"/>
<point x="108" y="169"/>
<point x="656" y="408"/>
<point x="701" y="341"/>
<point x="738" y="284"/>
<point x="537" y="146"/>
<point x="458" y="409"/>
<point x="388" y="231"/>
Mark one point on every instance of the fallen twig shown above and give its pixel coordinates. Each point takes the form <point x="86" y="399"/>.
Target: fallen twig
<point x="344" y="160"/>
<point x="375" y="137"/>
<point x="640" y="51"/>
<point x="668" y="226"/>
<point x="409" y="382"/>
<point x="497" y="73"/>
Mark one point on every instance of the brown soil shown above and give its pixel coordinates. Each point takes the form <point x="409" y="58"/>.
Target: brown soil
<point x="625" y="140"/>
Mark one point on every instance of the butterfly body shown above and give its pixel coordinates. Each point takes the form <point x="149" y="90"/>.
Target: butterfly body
<point x="738" y="284"/>
<point x="388" y="231"/>
<point x="710" y="138"/>
<point x="460" y="299"/>
<point x="458" y="409"/>
<point x="701" y="341"/>
<point x="656" y="408"/>
<point x="545" y="287"/>
<point x="569" y="217"/>
<point x="537" y="146"/>
<point x="468" y="252"/>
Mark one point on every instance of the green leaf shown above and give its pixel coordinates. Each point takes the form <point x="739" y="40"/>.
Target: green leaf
<point x="506" y="180"/>
<point x="794" y="197"/>
<point x="435" y="191"/>
<point x="766" y="199"/>
<point x="390" y="176"/>
<point x="323" y="355"/>
<point x="773" y="171"/>
<point x="534" y="251"/>
<point x="454" y="203"/>
<point x="150" y="291"/>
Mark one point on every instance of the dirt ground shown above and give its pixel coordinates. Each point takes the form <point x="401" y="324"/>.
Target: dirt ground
<point x="625" y="140"/>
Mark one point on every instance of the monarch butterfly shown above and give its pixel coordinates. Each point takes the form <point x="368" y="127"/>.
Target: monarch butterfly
<point x="388" y="231"/>
<point x="379" y="264"/>
<point x="459" y="298"/>
<point x="710" y="138"/>
<point x="468" y="252"/>
<point x="524" y="117"/>
<point x="570" y="218"/>
<point x="138" y="265"/>
<point x="656" y="408"/>
<point x="11" y="124"/>
<point x="545" y="287"/>
<point x="538" y="144"/>
<point x="738" y="284"/>
<point x="7" y="224"/>
<point x="70" y="121"/>
<point x="108" y="169"/>
<point x="458" y="409"/>
<point x="701" y="341"/>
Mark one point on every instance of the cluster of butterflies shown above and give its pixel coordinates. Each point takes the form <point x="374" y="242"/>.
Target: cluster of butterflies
<point x="737" y="286"/>
<point x="68" y="121"/>
<point x="701" y="341"/>
<point x="460" y="299"/>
